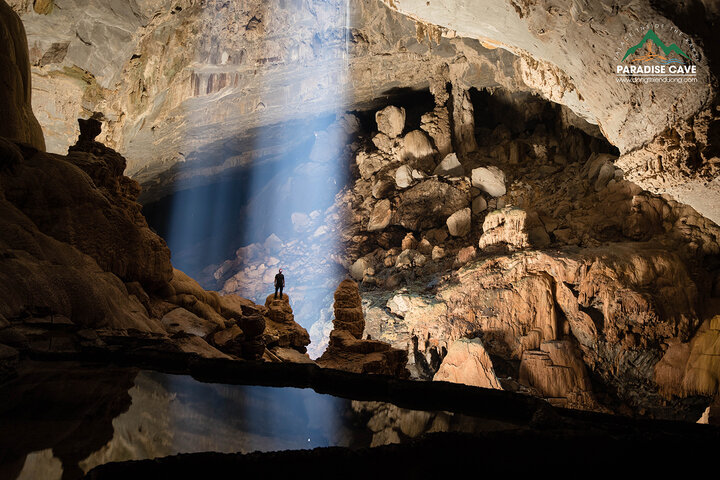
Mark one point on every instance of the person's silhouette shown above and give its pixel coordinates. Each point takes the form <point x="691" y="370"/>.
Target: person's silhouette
<point x="279" y="283"/>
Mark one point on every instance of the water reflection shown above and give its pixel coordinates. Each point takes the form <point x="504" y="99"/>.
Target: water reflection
<point x="63" y="421"/>
<point x="161" y="415"/>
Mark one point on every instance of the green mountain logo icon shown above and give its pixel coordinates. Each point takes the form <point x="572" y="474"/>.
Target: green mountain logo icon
<point x="650" y="35"/>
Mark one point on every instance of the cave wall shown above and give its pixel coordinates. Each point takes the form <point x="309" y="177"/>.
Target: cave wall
<point x="571" y="49"/>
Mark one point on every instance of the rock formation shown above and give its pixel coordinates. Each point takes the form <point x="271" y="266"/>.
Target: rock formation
<point x="82" y="271"/>
<point x="19" y="123"/>
<point x="281" y="329"/>
<point x="347" y="350"/>
<point x="467" y="362"/>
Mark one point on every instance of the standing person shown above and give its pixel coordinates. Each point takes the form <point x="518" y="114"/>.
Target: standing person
<point x="279" y="283"/>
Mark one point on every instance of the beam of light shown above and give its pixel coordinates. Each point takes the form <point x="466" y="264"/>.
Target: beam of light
<point x="290" y="197"/>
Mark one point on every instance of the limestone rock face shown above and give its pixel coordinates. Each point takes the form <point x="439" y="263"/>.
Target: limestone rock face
<point x="548" y="60"/>
<point x="559" y="374"/>
<point x="689" y="368"/>
<point x="170" y="96"/>
<point x="110" y="228"/>
<point x="490" y="180"/>
<point x="155" y="77"/>
<point x="467" y="362"/>
<point x="346" y="348"/>
<point x="554" y="55"/>
<point x="391" y="120"/>
<point x="522" y="301"/>
<point x="82" y="214"/>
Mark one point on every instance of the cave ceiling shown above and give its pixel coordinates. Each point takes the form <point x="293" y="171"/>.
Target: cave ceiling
<point x="196" y="83"/>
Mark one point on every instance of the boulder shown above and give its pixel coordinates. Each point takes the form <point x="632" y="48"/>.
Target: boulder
<point x="479" y="205"/>
<point x="380" y="216"/>
<point x="357" y="269"/>
<point x="273" y="244"/>
<point x="403" y="176"/>
<point x="465" y="255"/>
<point x="369" y="163"/>
<point x="425" y="247"/>
<point x="437" y="252"/>
<point x="418" y="151"/>
<point x="449" y="167"/>
<point x="409" y="258"/>
<point x="300" y="221"/>
<point x="468" y="363"/>
<point x="605" y="174"/>
<point x="489" y="179"/>
<point x="384" y="143"/>
<point x="409" y="242"/>
<point x="390" y="120"/>
<point x="459" y="223"/>
<point x="383" y="187"/>
<point x="595" y="162"/>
